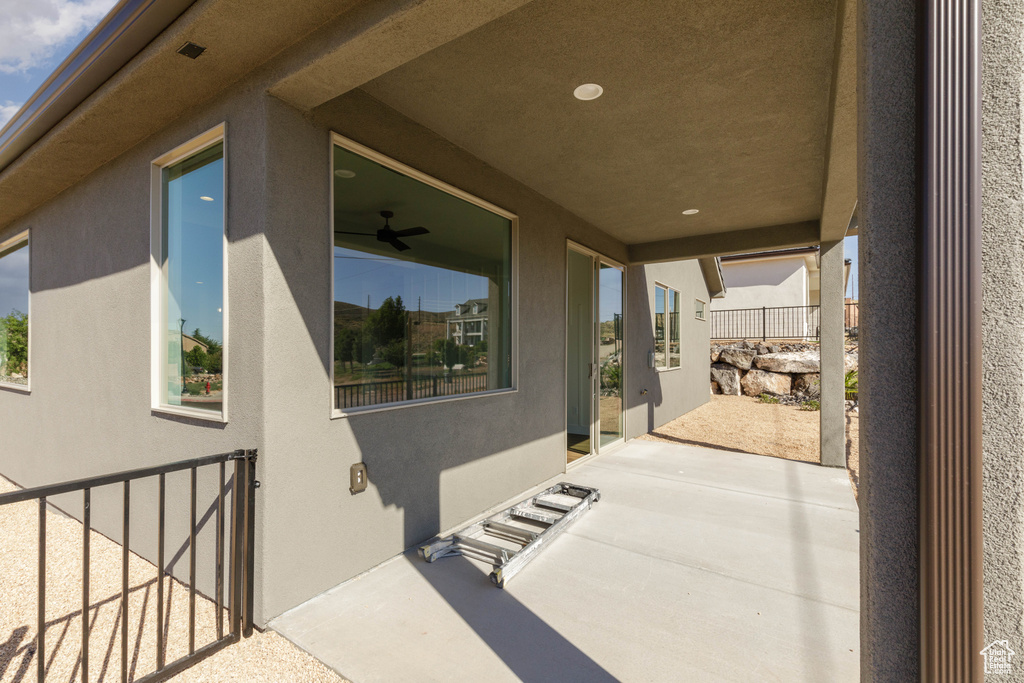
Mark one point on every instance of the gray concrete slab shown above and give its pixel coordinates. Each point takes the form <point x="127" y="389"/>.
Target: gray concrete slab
<point x="696" y="565"/>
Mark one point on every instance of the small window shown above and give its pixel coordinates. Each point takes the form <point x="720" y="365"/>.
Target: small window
<point x="667" y="337"/>
<point x="14" y="292"/>
<point x="700" y="309"/>
<point x="422" y="286"/>
<point x="191" y="349"/>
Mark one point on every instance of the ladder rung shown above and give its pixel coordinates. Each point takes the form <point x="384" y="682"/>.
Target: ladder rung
<point x="507" y="530"/>
<point x="500" y="554"/>
<point x="553" y="504"/>
<point x="535" y="516"/>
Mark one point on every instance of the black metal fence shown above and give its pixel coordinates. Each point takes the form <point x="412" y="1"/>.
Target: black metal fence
<point x="240" y="553"/>
<point x="781" y="322"/>
<point x="390" y="391"/>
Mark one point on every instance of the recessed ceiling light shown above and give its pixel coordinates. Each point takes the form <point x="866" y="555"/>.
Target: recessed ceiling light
<point x="345" y="173"/>
<point x="690" y="212"/>
<point x="588" y="91"/>
<point x="206" y="199"/>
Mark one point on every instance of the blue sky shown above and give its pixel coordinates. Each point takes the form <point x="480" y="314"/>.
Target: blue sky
<point x="35" y="36"/>
<point x="850" y="252"/>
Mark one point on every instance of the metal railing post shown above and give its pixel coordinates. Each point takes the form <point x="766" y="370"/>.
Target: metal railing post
<point x="41" y="606"/>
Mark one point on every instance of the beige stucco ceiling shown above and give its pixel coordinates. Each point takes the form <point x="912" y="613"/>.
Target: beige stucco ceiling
<point x="717" y="105"/>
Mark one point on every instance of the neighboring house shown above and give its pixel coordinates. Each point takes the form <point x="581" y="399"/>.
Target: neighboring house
<point x="469" y="324"/>
<point x="784" y="277"/>
<point x="188" y="343"/>
<point x="246" y="166"/>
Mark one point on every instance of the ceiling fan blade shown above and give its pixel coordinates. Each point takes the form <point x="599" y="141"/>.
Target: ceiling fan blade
<point x="412" y="232"/>
<point x="365" y="234"/>
<point x="398" y="244"/>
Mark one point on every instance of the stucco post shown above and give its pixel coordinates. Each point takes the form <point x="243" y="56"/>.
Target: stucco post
<point x="887" y="210"/>
<point x="832" y="345"/>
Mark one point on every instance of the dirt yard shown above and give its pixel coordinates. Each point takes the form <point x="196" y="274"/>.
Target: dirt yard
<point x="742" y="423"/>
<point x="263" y="657"/>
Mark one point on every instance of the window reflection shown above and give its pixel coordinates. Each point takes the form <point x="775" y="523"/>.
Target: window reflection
<point x="659" y="327"/>
<point x="14" y="285"/>
<point x="422" y="285"/>
<point x="193" y="276"/>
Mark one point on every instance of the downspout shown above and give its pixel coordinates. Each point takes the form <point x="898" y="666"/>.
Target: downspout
<point x="949" y="343"/>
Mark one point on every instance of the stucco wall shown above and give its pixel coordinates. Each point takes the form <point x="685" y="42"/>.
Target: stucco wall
<point x="767" y="282"/>
<point x="1003" y="319"/>
<point x="669" y="393"/>
<point x="89" y="409"/>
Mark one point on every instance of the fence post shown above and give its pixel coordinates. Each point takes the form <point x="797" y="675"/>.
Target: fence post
<point x="764" y="323"/>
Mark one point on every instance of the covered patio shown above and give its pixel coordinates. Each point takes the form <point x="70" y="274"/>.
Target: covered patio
<point x="696" y="565"/>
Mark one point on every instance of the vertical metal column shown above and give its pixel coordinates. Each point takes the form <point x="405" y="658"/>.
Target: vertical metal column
<point x="160" y="573"/>
<point x="41" y="605"/>
<point x="950" y="370"/>
<point x="124" y="582"/>
<point x="192" y="567"/>
<point x="86" y="532"/>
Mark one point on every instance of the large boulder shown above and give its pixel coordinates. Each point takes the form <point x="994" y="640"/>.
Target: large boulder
<point x="808" y="384"/>
<point x="728" y="378"/>
<point x="740" y="358"/>
<point x="757" y="382"/>
<point x="714" y="355"/>
<point x="794" y="362"/>
<point x="850" y="361"/>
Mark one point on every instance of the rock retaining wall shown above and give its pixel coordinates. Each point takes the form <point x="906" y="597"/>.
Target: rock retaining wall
<point x="788" y="371"/>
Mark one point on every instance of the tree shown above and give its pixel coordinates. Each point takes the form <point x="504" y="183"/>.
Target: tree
<point x="448" y="351"/>
<point x="386" y="329"/>
<point x="387" y="323"/>
<point x="343" y="346"/>
<point x="14" y="344"/>
<point x="197" y="358"/>
<point x="212" y="345"/>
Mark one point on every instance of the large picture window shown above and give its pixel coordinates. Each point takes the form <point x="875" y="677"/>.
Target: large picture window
<point x="422" y="286"/>
<point x="190" y="325"/>
<point x="667" y="337"/>
<point x="14" y="286"/>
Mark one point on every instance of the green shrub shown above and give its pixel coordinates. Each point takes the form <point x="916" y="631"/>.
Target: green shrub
<point x="810" y="405"/>
<point x="767" y="398"/>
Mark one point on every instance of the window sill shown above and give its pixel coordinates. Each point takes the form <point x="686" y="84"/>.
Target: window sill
<point x="189" y="412"/>
<point x="354" y="412"/>
<point x="678" y="367"/>
<point x="20" y="388"/>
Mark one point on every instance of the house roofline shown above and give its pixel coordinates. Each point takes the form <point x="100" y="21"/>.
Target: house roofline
<point x="128" y="28"/>
<point x="771" y="254"/>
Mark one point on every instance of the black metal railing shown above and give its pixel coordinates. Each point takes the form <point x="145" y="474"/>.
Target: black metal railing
<point x="378" y="392"/>
<point x="241" y="557"/>
<point x="779" y="322"/>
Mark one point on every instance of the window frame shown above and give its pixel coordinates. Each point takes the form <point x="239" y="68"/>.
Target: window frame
<point x="213" y="136"/>
<point x="15" y="240"/>
<point x="337" y="140"/>
<point x="704" y="310"/>
<point x="669" y="291"/>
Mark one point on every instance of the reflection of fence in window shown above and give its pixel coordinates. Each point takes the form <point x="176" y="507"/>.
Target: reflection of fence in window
<point x="391" y="391"/>
<point x="782" y="322"/>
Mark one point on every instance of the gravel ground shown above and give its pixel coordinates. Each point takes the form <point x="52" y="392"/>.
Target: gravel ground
<point x="742" y="423"/>
<point x="263" y="657"/>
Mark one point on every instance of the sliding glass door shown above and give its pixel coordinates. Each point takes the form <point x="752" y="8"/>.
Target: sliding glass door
<point x="595" y="353"/>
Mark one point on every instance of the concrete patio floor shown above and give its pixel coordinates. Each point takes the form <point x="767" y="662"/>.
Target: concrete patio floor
<point x="696" y="565"/>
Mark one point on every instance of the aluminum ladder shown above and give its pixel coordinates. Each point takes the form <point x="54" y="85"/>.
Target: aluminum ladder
<point x="531" y="524"/>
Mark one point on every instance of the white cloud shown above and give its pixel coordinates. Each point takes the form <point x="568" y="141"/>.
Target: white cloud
<point x="31" y="30"/>
<point x="7" y="111"/>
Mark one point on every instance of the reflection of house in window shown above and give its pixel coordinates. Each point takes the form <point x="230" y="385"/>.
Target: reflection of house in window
<point x="469" y="324"/>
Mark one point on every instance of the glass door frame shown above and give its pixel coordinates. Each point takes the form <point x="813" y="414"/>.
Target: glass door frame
<point x="597" y="259"/>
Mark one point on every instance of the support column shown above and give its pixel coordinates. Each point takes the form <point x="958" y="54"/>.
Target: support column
<point x="833" y="348"/>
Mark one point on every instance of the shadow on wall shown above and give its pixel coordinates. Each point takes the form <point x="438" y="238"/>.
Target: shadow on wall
<point x="643" y="383"/>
